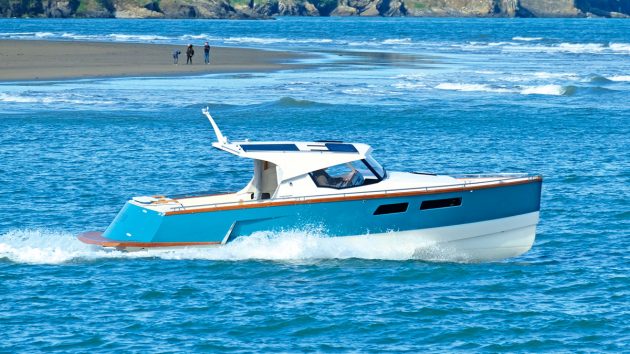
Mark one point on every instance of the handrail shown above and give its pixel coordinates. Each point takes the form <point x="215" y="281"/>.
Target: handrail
<point x="512" y="177"/>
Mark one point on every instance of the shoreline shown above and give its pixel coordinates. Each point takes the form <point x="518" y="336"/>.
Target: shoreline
<point x="41" y="60"/>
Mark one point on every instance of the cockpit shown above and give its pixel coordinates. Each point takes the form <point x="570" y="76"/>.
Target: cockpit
<point x="349" y="174"/>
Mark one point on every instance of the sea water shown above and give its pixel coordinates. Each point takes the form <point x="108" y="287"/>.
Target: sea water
<point x="441" y="95"/>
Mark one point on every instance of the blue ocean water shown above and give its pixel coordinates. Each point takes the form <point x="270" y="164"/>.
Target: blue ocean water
<point x="442" y="95"/>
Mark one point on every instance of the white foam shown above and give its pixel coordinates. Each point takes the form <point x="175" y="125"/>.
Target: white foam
<point x="471" y="88"/>
<point x="60" y="99"/>
<point x="44" y="34"/>
<point x="260" y="40"/>
<point x="408" y="85"/>
<point x="620" y="47"/>
<point x="16" y="99"/>
<point x="135" y="37"/>
<point x="527" y="39"/>
<point x="44" y="247"/>
<point x="404" y="41"/>
<point x="574" y="48"/>
<point x="553" y="90"/>
<point x="618" y="78"/>
<point x="52" y="247"/>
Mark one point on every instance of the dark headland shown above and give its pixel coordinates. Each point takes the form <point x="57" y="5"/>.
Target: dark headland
<point x="243" y="9"/>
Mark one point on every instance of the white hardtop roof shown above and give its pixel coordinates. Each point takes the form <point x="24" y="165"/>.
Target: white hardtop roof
<point x="292" y="158"/>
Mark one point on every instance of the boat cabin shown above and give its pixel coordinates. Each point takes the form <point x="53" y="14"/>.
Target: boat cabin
<point x="287" y="170"/>
<point x="290" y="169"/>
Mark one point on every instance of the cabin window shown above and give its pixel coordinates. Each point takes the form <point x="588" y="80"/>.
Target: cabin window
<point x="440" y="203"/>
<point x="391" y="208"/>
<point x="345" y="175"/>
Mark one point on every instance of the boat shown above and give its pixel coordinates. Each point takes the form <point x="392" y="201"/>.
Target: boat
<point x="340" y="188"/>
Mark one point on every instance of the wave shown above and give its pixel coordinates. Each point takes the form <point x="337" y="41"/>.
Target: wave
<point x="405" y="41"/>
<point x="72" y="99"/>
<point x="620" y="47"/>
<point x="54" y="247"/>
<point x="294" y="102"/>
<point x="597" y="79"/>
<point x="549" y="90"/>
<point x="527" y="39"/>
<point x="572" y="48"/>
<point x="472" y="88"/>
<point x="547" y="75"/>
<point x="267" y="40"/>
<point x="620" y="78"/>
<point x="553" y="90"/>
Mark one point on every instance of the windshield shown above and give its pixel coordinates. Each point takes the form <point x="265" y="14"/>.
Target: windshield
<point x="345" y="175"/>
<point x="380" y="171"/>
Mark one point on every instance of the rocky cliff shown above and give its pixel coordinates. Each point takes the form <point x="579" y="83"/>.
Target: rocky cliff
<point x="270" y="8"/>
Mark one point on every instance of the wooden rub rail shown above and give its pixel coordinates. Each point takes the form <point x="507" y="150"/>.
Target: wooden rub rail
<point x="355" y="196"/>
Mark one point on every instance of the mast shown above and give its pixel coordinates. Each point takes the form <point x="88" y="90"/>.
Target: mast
<point x="220" y="138"/>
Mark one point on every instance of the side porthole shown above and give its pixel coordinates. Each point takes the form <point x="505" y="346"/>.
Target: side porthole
<point x="391" y="208"/>
<point x="440" y="203"/>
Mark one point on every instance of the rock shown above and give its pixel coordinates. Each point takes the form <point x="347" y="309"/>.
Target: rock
<point x="310" y="9"/>
<point x="551" y="8"/>
<point x="60" y="9"/>
<point x="267" y="8"/>
<point x="343" y="10"/>
<point x="392" y="8"/>
<point x="370" y="11"/>
<point x="200" y="9"/>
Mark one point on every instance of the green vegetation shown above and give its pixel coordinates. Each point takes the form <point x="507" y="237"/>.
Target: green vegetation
<point x="240" y="2"/>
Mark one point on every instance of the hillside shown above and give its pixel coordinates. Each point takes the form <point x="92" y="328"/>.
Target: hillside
<point x="269" y="8"/>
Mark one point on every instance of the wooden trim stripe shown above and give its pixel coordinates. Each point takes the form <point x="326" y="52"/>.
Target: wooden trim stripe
<point x="96" y="238"/>
<point x="459" y="188"/>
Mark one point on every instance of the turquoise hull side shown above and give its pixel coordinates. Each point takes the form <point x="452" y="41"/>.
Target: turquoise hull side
<point x="338" y="218"/>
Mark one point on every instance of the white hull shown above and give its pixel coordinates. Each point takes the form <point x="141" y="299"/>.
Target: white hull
<point x="474" y="242"/>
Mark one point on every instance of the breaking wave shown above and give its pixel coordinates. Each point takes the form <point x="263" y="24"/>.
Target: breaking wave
<point x="471" y="88"/>
<point x="60" y="99"/>
<point x="54" y="247"/>
<point x="294" y="102"/>
<point x="527" y="39"/>
<point x="550" y="90"/>
<point x="553" y="90"/>
<point x="620" y="78"/>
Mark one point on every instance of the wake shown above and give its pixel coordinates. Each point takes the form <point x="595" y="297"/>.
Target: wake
<point x="56" y="247"/>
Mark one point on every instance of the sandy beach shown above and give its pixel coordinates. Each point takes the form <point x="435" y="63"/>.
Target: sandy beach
<point x="46" y="60"/>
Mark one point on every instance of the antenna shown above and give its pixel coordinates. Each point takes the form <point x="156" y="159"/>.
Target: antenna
<point x="220" y="138"/>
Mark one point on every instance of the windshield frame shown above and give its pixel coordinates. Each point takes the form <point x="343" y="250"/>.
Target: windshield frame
<point x="376" y="178"/>
<point x="369" y="160"/>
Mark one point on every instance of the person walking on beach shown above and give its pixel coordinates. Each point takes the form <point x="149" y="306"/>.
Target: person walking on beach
<point x="176" y="54"/>
<point x="189" y="54"/>
<point x="206" y="53"/>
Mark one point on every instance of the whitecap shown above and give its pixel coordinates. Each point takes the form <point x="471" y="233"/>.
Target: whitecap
<point x="619" y="78"/>
<point x="405" y="41"/>
<point x="408" y="85"/>
<point x="135" y="37"/>
<point x="527" y="39"/>
<point x="44" y="34"/>
<point x="553" y="90"/>
<point x="471" y="88"/>
<point x="16" y="99"/>
<point x="573" y="48"/>
<point x="548" y="75"/>
<point x="620" y="47"/>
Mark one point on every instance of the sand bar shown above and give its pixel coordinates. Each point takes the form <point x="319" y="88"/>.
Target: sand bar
<point x="48" y="60"/>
